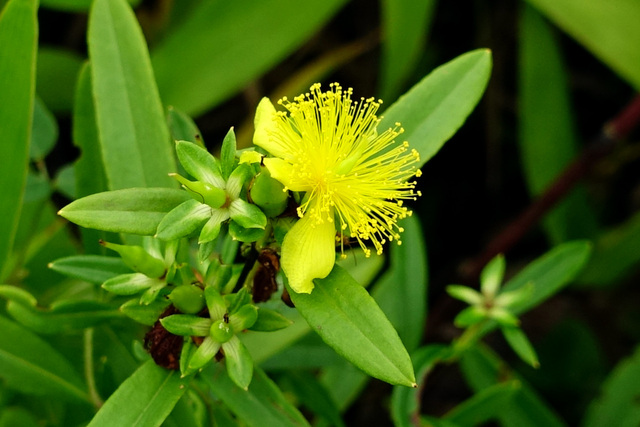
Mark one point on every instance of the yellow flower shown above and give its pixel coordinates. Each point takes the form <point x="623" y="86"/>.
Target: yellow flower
<point x="353" y="178"/>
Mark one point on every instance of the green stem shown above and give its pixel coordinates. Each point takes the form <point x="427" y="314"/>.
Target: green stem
<point x="468" y="338"/>
<point x="88" y="369"/>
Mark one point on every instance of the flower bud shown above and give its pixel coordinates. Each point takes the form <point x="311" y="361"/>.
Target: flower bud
<point x="138" y="259"/>
<point x="220" y="331"/>
<point x="269" y="194"/>
<point x="203" y="192"/>
<point x="188" y="299"/>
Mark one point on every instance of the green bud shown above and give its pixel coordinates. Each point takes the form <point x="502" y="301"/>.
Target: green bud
<point x="203" y="192"/>
<point x="220" y="331"/>
<point x="138" y="259"/>
<point x="188" y="299"/>
<point x="269" y="194"/>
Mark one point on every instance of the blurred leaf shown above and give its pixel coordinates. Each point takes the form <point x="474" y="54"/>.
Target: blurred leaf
<point x="89" y="170"/>
<point x="344" y="382"/>
<point x="402" y="292"/>
<point x="617" y="404"/>
<point x="313" y="395"/>
<point x="483" y="406"/>
<point x="18" y="40"/>
<point x="183" y="128"/>
<point x="92" y="268"/>
<point x="56" y="76"/>
<point x="146" y="398"/>
<point x="75" y="5"/>
<point x="307" y="353"/>
<point x="32" y="366"/>
<point x="615" y="254"/>
<point x="483" y="369"/>
<point x="132" y="129"/>
<point x="519" y="343"/>
<point x="364" y="336"/>
<point x="547" y="135"/>
<point x="44" y="131"/>
<point x="63" y="318"/>
<point x="65" y="181"/>
<point x="404" y="401"/>
<point x="132" y="210"/>
<point x="222" y="46"/>
<point x="405" y="25"/>
<point x="549" y="273"/>
<point x="262" y="405"/>
<point x="13" y="417"/>
<point x="608" y="28"/>
<point x="433" y="110"/>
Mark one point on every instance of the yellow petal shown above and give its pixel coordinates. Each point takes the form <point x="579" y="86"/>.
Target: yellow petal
<point x="308" y="252"/>
<point x="282" y="171"/>
<point x="265" y="125"/>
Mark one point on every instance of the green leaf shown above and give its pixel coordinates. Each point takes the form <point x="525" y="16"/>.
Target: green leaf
<point x="465" y="293"/>
<point x="262" y="405"/>
<point x="491" y="276"/>
<point x="549" y="273"/>
<point x="89" y="170"/>
<point x="228" y="154"/>
<point x="62" y="318"/>
<point x="346" y="317"/>
<point x="483" y="369"/>
<point x="210" y="57"/>
<point x="270" y="320"/>
<point x="44" y="131"/>
<point x="242" y="234"/>
<point x="183" y="128"/>
<point x="147" y="314"/>
<point x="56" y="77"/>
<point x="404" y="401"/>
<point x="145" y="399"/>
<point x="519" y="342"/>
<point x="402" y="292"/>
<point x="485" y="405"/>
<point x="92" y="268"/>
<point x="239" y="362"/>
<point x="433" y="110"/>
<point x="183" y="220"/>
<point x="547" y="134"/>
<point x="247" y="215"/>
<point x="187" y="325"/>
<point x="75" y="5"/>
<point x="405" y="25"/>
<point x="130" y="284"/>
<point x="616" y="253"/>
<point x="30" y="365"/>
<point x="199" y="163"/>
<point x="617" y="404"/>
<point x="11" y="417"/>
<point x="607" y="28"/>
<point x="18" y="40"/>
<point x="313" y="395"/>
<point x="133" y="131"/>
<point x="132" y="210"/>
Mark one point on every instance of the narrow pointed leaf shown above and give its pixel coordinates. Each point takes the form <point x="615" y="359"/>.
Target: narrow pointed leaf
<point x="238" y="361"/>
<point x="30" y="365"/>
<point x="228" y="153"/>
<point x="132" y="128"/>
<point x="146" y="398"/>
<point x="183" y="220"/>
<point x="346" y="317"/>
<point x="210" y="56"/>
<point x="433" y="110"/>
<point x="18" y="41"/>
<point x="607" y="28"/>
<point x="186" y="324"/>
<point x="92" y="268"/>
<point x="199" y="163"/>
<point x="519" y="342"/>
<point x="262" y="405"/>
<point x="132" y="210"/>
